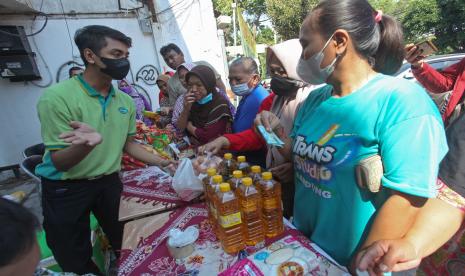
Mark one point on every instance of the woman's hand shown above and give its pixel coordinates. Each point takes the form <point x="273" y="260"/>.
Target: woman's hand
<point x="414" y="56"/>
<point x="215" y="146"/>
<point x="271" y="123"/>
<point x="386" y="256"/>
<point x="189" y="99"/>
<point x="165" y="163"/>
<point x="268" y="120"/>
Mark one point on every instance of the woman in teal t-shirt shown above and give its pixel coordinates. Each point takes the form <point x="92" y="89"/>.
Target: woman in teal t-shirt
<point x="360" y="114"/>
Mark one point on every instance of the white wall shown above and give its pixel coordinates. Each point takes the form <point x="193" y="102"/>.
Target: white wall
<point x="190" y="23"/>
<point x="192" y="26"/>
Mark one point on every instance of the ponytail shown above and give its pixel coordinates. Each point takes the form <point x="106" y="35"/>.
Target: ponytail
<point x="390" y="54"/>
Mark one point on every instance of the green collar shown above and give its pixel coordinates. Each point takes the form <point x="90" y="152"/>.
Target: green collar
<point x="90" y="90"/>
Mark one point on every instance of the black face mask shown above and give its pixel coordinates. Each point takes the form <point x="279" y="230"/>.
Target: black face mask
<point x="117" y="69"/>
<point x="285" y="87"/>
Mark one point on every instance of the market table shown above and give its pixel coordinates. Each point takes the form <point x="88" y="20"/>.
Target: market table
<point x="144" y="247"/>
<point x="147" y="191"/>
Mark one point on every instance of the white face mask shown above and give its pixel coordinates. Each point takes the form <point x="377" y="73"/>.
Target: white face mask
<point x="310" y="71"/>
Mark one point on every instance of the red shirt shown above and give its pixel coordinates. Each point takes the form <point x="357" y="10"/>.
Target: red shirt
<point x="451" y="78"/>
<point x="249" y="140"/>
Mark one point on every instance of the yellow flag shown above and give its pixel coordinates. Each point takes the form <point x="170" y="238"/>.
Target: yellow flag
<point x="247" y="37"/>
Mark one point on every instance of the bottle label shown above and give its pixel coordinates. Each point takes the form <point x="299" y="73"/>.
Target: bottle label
<point x="230" y="220"/>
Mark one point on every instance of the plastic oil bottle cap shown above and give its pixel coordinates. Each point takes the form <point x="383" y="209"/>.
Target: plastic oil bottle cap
<point x="267" y="176"/>
<point x="228" y="156"/>
<point x="241" y="159"/>
<point x="224" y="187"/>
<point x="217" y="179"/>
<point x="211" y="172"/>
<point x="256" y="169"/>
<point x="237" y="174"/>
<point x="247" y="181"/>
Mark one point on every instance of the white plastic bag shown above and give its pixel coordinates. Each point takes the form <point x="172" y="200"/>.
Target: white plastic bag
<point x="186" y="184"/>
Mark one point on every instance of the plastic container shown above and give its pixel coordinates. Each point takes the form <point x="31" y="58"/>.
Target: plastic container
<point x="251" y="211"/>
<point x="243" y="165"/>
<point x="212" y="190"/>
<point x="230" y="225"/>
<point x="236" y="180"/>
<point x="272" y="211"/>
<point x="255" y="174"/>
<point x="208" y="180"/>
<point x="227" y="166"/>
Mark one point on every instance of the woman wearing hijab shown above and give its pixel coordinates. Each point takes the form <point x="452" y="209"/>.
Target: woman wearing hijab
<point x="206" y="114"/>
<point x="140" y="101"/>
<point x="288" y="92"/>
<point x="162" y="83"/>
<point x="163" y="101"/>
<point x="182" y="70"/>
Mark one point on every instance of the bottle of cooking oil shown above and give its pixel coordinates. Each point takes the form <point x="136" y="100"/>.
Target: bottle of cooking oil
<point x="212" y="190"/>
<point x="236" y="180"/>
<point x="272" y="211"/>
<point x="208" y="180"/>
<point x="227" y="166"/>
<point x="243" y="165"/>
<point x="250" y="202"/>
<point x="230" y="225"/>
<point x="256" y="174"/>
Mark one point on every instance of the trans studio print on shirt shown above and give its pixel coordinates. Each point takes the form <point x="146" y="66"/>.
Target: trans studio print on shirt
<point x="317" y="162"/>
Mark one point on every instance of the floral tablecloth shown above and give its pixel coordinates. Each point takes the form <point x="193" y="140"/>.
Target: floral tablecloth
<point x="147" y="191"/>
<point x="151" y="256"/>
<point x="150" y="185"/>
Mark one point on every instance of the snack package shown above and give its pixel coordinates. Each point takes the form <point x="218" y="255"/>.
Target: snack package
<point x="285" y="257"/>
<point x="271" y="138"/>
<point x="182" y="149"/>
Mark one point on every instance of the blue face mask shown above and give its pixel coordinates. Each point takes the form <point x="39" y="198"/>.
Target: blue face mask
<point x="241" y="89"/>
<point x="206" y="99"/>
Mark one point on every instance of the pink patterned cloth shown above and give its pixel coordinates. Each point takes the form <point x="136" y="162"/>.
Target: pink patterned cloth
<point x="149" y="185"/>
<point x="151" y="256"/>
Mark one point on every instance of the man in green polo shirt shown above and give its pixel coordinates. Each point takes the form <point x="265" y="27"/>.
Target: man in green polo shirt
<point x="86" y="125"/>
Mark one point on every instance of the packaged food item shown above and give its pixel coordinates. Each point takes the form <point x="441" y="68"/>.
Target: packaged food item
<point x="182" y="148"/>
<point x="250" y="202"/>
<point x="151" y="115"/>
<point x="227" y="166"/>
<point x="129" y="163"/>
<point x="272" y="211"/>
<point x="230" y="225"/>
<point x="243" y="165"/>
